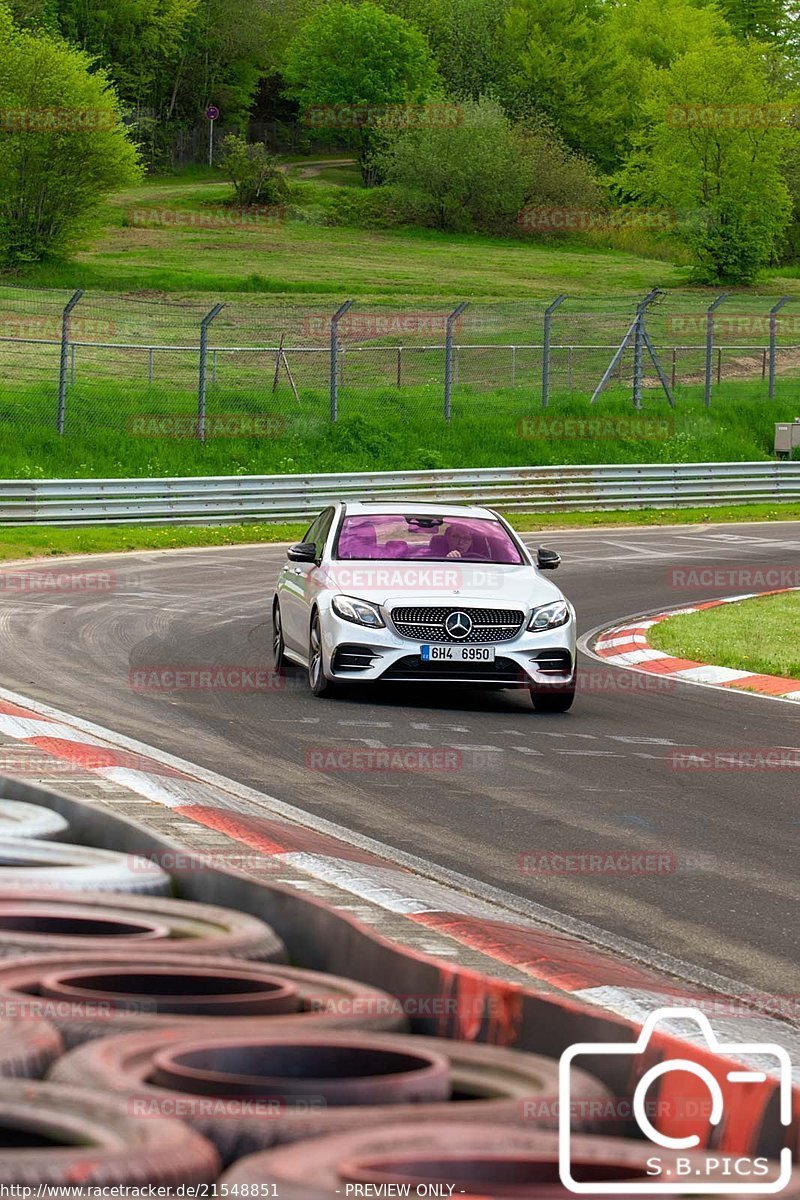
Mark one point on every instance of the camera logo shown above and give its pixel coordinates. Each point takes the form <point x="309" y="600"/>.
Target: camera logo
<point x="670" y="1172"/>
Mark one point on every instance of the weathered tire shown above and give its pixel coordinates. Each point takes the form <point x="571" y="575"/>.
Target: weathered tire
<point x="31" y="865"/>
<point x="27" y="1047"/>
<point x="489" y="1160"/>
<point x="488" y="1084"/>
<point x="18" y="819"/>
<point x="325" y="1000"/>
<point x="97" y="923"/>
<point x="58" y="1136"/>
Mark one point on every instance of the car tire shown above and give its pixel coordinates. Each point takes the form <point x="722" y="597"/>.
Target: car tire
<point x="317" y="679"/>
<point x="278" y="644"/>
<point x="28" y="864"/>
<point x="18" y="819"/>
<point x="97" y="1141"/>
<point x="553" y="700"/>
<point x="28" y="1047"/>
<point x="41" y="922"/>
<point x="493" y="1085"/>
<point x="326" y="1001"/>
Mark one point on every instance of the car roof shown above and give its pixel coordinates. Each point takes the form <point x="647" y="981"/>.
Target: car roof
<point x="415" y="508"/>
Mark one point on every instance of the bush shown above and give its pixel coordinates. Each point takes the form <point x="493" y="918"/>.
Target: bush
<point x="63" y="146"/>
<point x="481" y="173"/>
<point x="253" y="171"/>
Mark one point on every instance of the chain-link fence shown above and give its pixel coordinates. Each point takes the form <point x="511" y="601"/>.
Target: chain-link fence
<point x="78" y="362"/>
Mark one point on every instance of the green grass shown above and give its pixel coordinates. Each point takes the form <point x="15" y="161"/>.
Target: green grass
<point x="388" y="430"/>
<point x="35" y="542"/>
<point x="761" y="635"/>
<point x="305" y="257"/>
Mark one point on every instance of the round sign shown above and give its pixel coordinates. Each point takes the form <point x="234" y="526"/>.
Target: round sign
<point x="212" y="112"/>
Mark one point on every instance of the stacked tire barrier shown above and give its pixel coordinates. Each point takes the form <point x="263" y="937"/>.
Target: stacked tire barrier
<point x="150" y="1040"/>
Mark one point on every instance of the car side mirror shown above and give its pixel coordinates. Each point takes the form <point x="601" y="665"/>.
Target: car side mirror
<point x="302" y="552"/>
<point x="547" y="560"/>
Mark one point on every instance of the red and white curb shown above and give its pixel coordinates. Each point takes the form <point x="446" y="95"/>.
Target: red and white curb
<point x="627" y="645"/>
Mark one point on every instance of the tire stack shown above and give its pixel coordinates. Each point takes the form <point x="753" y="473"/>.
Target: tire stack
<point x="149" y="1041"/>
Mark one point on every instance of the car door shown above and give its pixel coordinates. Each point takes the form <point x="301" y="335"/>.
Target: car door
<point x="299" y="584"/>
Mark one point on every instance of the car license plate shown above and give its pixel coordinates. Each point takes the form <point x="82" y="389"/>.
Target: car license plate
<point x="457" y="654"/>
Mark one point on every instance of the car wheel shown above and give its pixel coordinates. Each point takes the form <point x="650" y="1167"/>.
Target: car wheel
<point x="317" y="680"/>
<point x="278" y="644"/>
<point x="554" y="700"/>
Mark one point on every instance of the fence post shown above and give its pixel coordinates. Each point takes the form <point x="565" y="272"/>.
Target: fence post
<point x="638" y="344"/>
<point x="448" y="358"/>
<point x="64" y="362"/>
<point x="399" y="366"/>
<point x="712" y="308"/>
<point x="548" y="316"/>
<point x="773" y="329"/>
<point x="335" y="319"/>
<point x="203" y="378"/>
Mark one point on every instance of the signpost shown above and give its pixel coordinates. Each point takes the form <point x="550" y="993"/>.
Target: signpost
<point x="212" y="112"/>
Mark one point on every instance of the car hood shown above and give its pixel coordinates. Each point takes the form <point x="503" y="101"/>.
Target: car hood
<point x="395" y="584"/>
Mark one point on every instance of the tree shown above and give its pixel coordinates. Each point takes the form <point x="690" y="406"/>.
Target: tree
<point x="466" y="38"/>
<point x="62" y="144"/>
<point x="481" y="173"/>
<point x="638" y="37"/>
<point x="252" y="170"/>
<point x="350" y="59"/>
<point x="714" y="152"/>
<point x="137" y="41"/>
<point x="557" y="66"/>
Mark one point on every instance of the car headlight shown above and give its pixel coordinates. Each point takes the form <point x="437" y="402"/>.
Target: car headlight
<point x="361" y="612"/>
<point x="550" y="616"/>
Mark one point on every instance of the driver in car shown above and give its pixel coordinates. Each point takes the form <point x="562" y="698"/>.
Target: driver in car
<point x="459" y="541"/>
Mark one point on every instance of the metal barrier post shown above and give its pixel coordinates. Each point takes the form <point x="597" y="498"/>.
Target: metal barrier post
<point x="203" y="381"/>
<point x="773" y="330"/>
<point x="64" y="363"/>
<point x="639" y="336"/>
<point x="448" y="358"/>
<point x="712" y="308"/>
<point x="548" y="317"/>
<point x="335" y="319"/>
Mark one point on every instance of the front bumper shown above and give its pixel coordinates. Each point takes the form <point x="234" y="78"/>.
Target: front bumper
<point x="357" y="654"/>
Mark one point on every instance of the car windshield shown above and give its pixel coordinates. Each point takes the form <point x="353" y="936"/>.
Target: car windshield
<point x="392" y="538"/>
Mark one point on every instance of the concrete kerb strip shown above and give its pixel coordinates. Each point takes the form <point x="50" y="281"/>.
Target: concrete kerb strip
<point x="627" y="645"/>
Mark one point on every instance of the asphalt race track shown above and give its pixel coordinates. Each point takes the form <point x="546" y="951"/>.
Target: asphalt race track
<point x="600" y="778"/>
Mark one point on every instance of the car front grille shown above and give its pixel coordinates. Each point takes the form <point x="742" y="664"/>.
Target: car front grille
<point x="428" y="624"/>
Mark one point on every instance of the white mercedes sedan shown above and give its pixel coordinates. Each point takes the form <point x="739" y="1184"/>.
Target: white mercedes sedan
<point x="423" y="593"/>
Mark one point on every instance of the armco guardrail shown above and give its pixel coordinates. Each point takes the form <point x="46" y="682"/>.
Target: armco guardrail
<point x="227" y="499"/>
